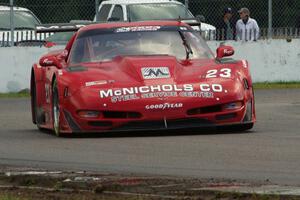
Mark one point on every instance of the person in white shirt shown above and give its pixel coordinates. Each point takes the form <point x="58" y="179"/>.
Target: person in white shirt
<point x="246" y="28"/>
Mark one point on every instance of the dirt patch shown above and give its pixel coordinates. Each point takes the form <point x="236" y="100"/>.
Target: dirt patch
<point x="26" y="184"/>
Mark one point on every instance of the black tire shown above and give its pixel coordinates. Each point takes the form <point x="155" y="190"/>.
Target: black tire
<point x="236" y="128"/>
<point x="243" y="127"/>
<point x="55" y="109"/>
<point x="36" y="119"/>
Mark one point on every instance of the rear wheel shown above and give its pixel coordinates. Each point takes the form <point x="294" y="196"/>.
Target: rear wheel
<point x="55" y="109"/>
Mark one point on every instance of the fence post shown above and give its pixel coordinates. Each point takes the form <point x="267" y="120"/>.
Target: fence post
<point x="186" y="3"/>
<point x="270" y="25"/>
<point x="97" y="3"/>
<point x="12" y="24"/>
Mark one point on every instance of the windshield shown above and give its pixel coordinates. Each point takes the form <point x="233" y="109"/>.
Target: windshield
<point x="96" y="47"/>
<point x="143" y="12"/>
<point x="22" y="19"/>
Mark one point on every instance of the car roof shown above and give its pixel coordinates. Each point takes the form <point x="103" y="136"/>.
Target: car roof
<point x="7" y="8"/>
<point x="132" y="24"/>
<point x="128" y="2"/>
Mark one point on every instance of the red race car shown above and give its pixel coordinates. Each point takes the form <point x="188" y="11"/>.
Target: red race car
<point x="152" y="75"/>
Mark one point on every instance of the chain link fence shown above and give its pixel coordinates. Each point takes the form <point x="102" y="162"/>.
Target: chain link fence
<point x="58" y="11"/>
<point x="285" y="18"/>
<point x="286" y="13"/>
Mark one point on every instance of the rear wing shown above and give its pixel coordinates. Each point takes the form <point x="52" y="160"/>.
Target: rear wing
<point x="190" y="21"/>
<point x="62" y="27"/>
<point x="77" y="24"/>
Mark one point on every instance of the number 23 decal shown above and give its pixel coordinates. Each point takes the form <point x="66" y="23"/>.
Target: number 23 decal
<point x="224" y="73"/>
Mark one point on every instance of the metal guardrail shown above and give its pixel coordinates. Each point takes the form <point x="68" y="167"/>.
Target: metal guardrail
<point x="21" y="36"/>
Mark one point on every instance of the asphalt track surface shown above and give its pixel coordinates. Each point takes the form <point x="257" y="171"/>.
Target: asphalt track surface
<point x="271" y="151"/>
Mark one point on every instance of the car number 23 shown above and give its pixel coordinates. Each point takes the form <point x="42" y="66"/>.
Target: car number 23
<point x="223" y="73"/>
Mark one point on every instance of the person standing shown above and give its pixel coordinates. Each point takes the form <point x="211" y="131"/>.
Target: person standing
<point x="247" y="28"/>
<point x="226" y="26"/>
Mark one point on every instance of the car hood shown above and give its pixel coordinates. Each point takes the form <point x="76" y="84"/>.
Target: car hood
<point x="135" y="71"/>
<point x="141" y="70"/>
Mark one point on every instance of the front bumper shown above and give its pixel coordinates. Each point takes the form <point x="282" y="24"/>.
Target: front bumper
<point x="159" y="125"/>
<point x="140" y="114"/>
<point x="74" y="124"/>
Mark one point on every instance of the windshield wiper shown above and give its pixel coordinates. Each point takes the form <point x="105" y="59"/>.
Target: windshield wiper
<point x="187" y="46"/>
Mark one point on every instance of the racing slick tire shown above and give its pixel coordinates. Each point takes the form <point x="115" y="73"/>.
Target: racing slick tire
<point x="239" y="127"/>
<point x="243" y="127"/>
<point x="236" y="128"/>
<point x="37" y="116"/>
<point x="55" y="109"/>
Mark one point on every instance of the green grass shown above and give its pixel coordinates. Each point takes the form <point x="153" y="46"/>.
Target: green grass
<point x="277" y="85"/>
<point x="11" y="197"/>
<point x="14" y="95"/>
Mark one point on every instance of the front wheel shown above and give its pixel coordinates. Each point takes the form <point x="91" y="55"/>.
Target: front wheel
<point x="236" y="128"/>
<point x="37" y="116"/>
<point x="243" y="127"/>
<point x="55" y="109"/>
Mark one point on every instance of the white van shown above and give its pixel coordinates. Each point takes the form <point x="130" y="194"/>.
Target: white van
<point x="143" y="10"/>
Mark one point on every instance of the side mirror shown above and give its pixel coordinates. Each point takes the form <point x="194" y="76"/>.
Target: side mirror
<point x="200" y="18"/>
<point x="49" y="44"/>
<point x="63" y="55"/>
<point x="50" y="61"/>
<point x="224" y="51"/>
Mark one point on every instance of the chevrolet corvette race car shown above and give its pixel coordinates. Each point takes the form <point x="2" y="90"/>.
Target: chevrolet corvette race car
<point x="152" y="75"/>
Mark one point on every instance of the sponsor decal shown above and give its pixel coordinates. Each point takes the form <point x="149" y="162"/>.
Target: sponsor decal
<point x="164" y="106"/>
<point x="228" y="52"/>
<point x="46" y="61"/>
<point x="145" y="89"/>
<point x="76" y="26"/>
<point x="159" y="95"/>
<point x="203" y="90"/>
<point x="60" y="72"/>
<point x="115" y="99"/>
<point x="197" y="94"/>
<point x="211" y="88"/>
<point x="137" y="28"/>
<point x="245" y="64"/>
<point x="92" y="83"/>
<point x="155" y="72"/>
<point x="47" y="93"/>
